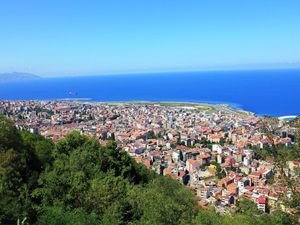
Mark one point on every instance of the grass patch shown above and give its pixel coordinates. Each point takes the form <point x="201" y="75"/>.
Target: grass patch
<point x="211" y="111"/>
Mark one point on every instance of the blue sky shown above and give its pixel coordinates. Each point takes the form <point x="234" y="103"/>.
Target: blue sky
<point x="58" y="38"/>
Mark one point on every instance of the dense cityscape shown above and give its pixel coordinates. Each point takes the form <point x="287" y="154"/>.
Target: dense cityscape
<point x="216" y="153"/>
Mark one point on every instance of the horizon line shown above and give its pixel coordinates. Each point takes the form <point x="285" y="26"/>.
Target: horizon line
<point x="163" y="71"/>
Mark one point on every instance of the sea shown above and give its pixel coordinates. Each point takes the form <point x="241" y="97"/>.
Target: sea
<point x="264" y="92"/>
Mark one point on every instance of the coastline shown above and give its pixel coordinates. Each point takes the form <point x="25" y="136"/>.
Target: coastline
<point x="201" y="107"/>
<point x="239" y="89"/>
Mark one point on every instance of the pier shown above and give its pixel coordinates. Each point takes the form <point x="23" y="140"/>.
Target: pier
<point x="74" y="99"/>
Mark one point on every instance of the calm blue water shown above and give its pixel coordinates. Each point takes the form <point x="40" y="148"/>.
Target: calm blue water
<point x="265" y="92"/>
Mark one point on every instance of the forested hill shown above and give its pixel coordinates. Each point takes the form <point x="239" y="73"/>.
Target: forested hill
<point x="17" y="76"/>
<point x="77" y="181"/>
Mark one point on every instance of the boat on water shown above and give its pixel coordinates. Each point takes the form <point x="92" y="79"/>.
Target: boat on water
<point x="73" y="93"/>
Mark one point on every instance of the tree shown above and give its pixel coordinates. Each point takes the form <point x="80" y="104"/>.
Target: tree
<point x="19" y="171"/>
<point x="177" y="205"/>
<point x="247" y="207"/>
<point x="218" y="167"/>
<point x="60" y="215"/>
<point x="10" y="137"/>
<point x="106" y="190"/>
<point x="222" y="141"/>
<point x="178" y="142"/>
<point x="180" y="155"/>
<point x="151" y="135"/>
<point x="159" y="135"/>
<point x="113" y="136"/>
<point x="40" y="145"/>
<point x="232" y="168"/>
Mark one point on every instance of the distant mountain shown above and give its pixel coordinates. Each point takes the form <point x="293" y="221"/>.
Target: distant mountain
<point x="17" y="76"/>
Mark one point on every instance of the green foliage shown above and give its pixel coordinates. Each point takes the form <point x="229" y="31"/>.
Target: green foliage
<point x="219" y="172"/>
<point x="10" y="137"/>
<point x="77" y="181"/>
<point x="159" y="135"/>
<point x="59" y="215"/>
<point x="247" y="207"/>
<point x="206" y="217"/>
<point x="222" y="141"/>
<point x="92" y="176"/>
<point x="39" y="109"/>
<point x="43" y="147"/>
<point x="114" y="117"/>
<point x="178" y="141"/>
<point x="180" y="155"/>
<point x="217" y="165"/>
<point x="151" y="135"/>
<point x="165" y="201"/>
<point x="271" y="180"/>
<point x="191" y="146"/>
<point x="111" y="138"/>
<point x="203" y="141"/>
<point x="20" y="166"/>
<point x="110" y="197"/>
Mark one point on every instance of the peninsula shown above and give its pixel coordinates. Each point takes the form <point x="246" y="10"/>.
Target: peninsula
<point x="15" y="76"/>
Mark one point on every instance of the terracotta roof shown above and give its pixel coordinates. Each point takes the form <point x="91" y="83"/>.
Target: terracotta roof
<point x="192" y="161"/>
<point x="232" y="185"/>
<point x="147" y="163"/>
<point x="138" y="159"/>
<point x="255" y="174"/>
<point x="249" y="188"/>
<point x="261" y="200"/>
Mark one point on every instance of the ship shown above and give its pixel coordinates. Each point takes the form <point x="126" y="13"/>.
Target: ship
<point x="72" y="93"/>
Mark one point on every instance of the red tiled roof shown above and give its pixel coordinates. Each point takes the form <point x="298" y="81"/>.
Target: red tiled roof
<point x="249" y="188"/>
<point x="232" y="185"/>
<point x="147" y="163"/>
<point x="255" y="173"/>
<point x="181" y="174"/>
<point x="261" y="200"/>
<point x="138" y="159"/>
